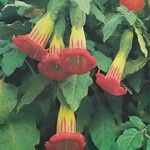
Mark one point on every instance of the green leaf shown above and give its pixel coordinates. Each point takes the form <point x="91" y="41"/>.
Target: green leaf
<point x="34" y="86"/>
<point x="116" y="104"/>
<point x="148" y="145"/>
<point x="8" y="30"/>
<point x="137" y="122"/>
<point x="8" y="100"/>
<point x="129" y="15"/>
<point x="103" y="62"/>
<point x="11" y="61"/>
<point x="5" y="46"/>
<point x="111" y="25"/>
<point x="103" y="129"/>
<point x="141" y="42"/>
<point x="97" y="13"/>
<point x="84" y="116"/>
<point x="16" y="8"/>
<point x="38" y="3"/>
<point x="4" y="1"/>
<point x="75" y="88"/>
<point x="134" y="65"/>
<point x="84" y="5"/>
<point x="135" y="81"/>
<point x="19" y="135"/>
<point x="90" y="45"/>
<point x="126" y="125"/>
<point x="131" y="139"/>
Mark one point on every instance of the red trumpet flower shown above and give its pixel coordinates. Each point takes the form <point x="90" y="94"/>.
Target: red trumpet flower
<point x="76" y="59"/>
<point x="111" y="82"/>
<point x="33" y="43"/>
<point x="50" y="64"/>
<point x="66" y="137"/>
<point x="133" y="5"/>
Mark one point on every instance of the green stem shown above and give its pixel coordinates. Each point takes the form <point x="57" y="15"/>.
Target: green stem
<point x="147" y="136"/>
<point x="77" y="16"/>
<point x="60" y="27"/>
<point x="31" y="69"/>
<point x="126" y="41"/>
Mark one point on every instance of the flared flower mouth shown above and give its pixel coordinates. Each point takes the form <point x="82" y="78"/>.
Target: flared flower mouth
<point x="29" y="47"/>
<point x="133" y="5"/>
<point x="33" y="44"/>
<point x="50" y="67"/>
<point x="66" y="137"/>
<point x="77" y="60"/>
<point x="110" y="85"/>
<point x="111" y="82"/>
<point x="66" y="141"/>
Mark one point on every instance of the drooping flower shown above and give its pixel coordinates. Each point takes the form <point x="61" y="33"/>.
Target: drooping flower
<point x="33" y="43"/>
<point x="50" y="63"/>
<point x="111" y="82"/>
<point x="66" y="137"/>
<point x="133" y="5"/>
<point x="77" y="59"/>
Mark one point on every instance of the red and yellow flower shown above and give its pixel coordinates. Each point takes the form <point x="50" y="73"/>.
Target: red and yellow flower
<point x="111" y="82"/>
<point x="133" y="5"/>
<point x="33" y="43"/>
<point x="66" y="137"/>
<point x="50" y="64"/>
<point x="77" y="59"/>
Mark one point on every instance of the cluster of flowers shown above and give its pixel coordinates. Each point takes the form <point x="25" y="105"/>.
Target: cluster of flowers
<point x="58" y="62"/>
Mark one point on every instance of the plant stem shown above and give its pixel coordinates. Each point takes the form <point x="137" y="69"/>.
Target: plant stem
<point x="31" y="69"/>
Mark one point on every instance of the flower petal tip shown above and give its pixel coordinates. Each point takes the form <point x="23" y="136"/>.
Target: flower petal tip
<point x="110" y="85"/>
<point x="63" y="141"/>
<point x="29" y="47"/>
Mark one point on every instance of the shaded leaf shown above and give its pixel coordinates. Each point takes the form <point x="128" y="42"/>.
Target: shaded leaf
<point x="34" y="86"/>
<point x="8" y="100"/>
<point x="8" y="30"/>
<point x="18" y="7"/>
<point x="148" y="144"/>
<point x="141" y="42"/>
<point x="103" y="129"/>
<point x="116" y="104"/>
<point x="19" y="135"/>
<point x="134" y="65"/>
<point x="135" y="81"/>
<point x="84" y="116"/>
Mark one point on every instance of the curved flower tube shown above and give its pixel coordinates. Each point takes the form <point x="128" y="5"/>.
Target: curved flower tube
<point x="66" y="137"/>
<point x="50" y="64"/>
<point x="33" y="43"/>
<point x="111" y="82"/>
<point x="133" y="5"/>
<point x="77" y="59"/>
